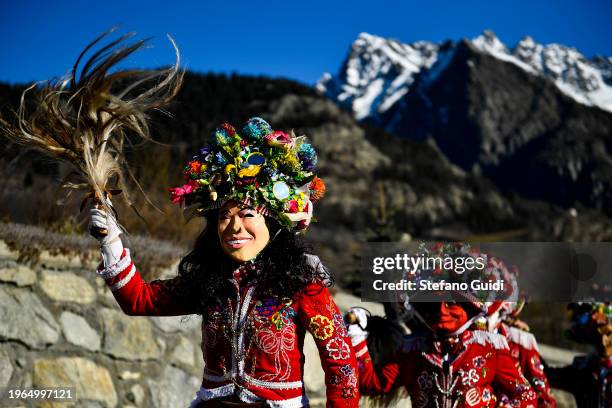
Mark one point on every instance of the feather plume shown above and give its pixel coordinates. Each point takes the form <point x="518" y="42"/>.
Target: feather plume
<point x="85" y="118"/>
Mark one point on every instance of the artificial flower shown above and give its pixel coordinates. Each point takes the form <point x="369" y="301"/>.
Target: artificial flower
<point x="317" y="189"/>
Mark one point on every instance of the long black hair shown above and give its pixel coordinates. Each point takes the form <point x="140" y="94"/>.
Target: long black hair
<point x="283" y="268"/>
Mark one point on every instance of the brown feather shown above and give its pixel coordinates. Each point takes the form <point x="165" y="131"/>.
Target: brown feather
<point x="86" y="118"/>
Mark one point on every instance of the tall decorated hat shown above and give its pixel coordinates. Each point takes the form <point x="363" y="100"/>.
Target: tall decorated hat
<point x="269" y="170"/>
<point x="484" y="268"/>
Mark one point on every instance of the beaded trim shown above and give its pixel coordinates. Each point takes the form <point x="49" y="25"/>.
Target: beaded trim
<point x="216" y="378"/>
<point x="271" y="384"/>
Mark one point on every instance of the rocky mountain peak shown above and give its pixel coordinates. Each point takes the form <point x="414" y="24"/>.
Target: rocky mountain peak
<point x="489" y="42"/>
<point x="379" y="72"/>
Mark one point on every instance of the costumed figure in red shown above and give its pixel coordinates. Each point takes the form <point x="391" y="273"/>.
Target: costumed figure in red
<point x="445" y="364"/>
<point x="502" y="318"/>
<point x="588" y="378"/>
<point x="250" y="276"/>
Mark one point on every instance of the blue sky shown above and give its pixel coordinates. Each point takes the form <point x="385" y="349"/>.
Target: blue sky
<point x="298" y="40"/>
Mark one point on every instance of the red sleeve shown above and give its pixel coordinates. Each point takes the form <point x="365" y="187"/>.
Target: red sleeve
<point x="370" y="383"/>
<point x="320" y="315"/>
<point x="533" y="369"/>
<point x="138" y="298"/>
<point x="512" y="382"/>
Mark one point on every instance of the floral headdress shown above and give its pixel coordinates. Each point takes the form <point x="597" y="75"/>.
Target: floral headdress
<point x="269" y="170"/>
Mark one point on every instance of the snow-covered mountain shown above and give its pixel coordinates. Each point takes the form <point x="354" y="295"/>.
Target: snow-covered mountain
<point x="378" y="72"/>
<point x="522" y="117"/>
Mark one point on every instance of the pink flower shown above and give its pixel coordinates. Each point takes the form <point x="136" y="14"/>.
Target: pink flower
<point x="177" y="195"/>
<point x="293" y="206"/>
<point x="279" y="139"/>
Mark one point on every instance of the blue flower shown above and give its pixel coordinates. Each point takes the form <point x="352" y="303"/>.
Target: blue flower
<point x="220" y="159"/>
<point x="255" y="129"/>
<point x="308" y="156"/>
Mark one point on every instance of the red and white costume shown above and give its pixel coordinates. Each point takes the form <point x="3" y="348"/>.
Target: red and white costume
<point x="524" y="349"/>
<point x="478" y="365"/>
<point x="253" y="347"/>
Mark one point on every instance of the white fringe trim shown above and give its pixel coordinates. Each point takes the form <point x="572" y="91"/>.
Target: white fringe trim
<point x="205" y="394"/>
<point x="525" y="339"/>
<point x="484" y="337"/>
<point x="114" y="270"/>
<point x="125" y="280"/>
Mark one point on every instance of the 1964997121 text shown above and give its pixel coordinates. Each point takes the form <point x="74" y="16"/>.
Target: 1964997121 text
<point x="16" y="394"/>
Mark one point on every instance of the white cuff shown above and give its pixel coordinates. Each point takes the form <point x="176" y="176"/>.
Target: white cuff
<point x="117" y="267"/>
<point x="125" y="280"/>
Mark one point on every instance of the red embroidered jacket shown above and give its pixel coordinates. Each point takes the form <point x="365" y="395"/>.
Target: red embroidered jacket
<point x="481" y="366"/>
<point x="253" y="347"/>
<point x="524" y="349"/>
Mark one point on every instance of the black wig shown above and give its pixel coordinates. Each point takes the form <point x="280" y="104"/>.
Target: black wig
<point x="283" y="269"/>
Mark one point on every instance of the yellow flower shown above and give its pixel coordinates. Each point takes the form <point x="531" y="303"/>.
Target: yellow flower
<point x="203" y="168"/>
<point x="290" y="159"/>
<point x="250" y="171"/>
<point x="229" y="168"/>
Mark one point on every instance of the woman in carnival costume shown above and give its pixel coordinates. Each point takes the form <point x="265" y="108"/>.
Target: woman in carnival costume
<point x="445" y="364"/>
<point x="249" y="275"/>
<point x="502" y="318"/>
<point x="588" y="378"/>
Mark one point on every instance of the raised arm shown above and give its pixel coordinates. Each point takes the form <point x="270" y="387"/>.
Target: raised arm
<point x="370" y="382"/>
<point x="135" y="296"/>
<point x="512" y="382"/>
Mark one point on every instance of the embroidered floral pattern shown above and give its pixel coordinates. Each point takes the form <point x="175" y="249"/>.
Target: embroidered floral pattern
<point x="335" y="380"/>
<point x="351" y="381"/>
<point x="425" y="380"/>
<point x="339" y="325"/>
<point x="321" y="327"/>
<point x="346" y="370"/>
<point x="479" y="361"/>
<point x="283" y="317"/>
<point x="338" y="349"/>
<point x="486" y="395"/>
<point x="266" y="307"/>
<point x="348" y="392"/>
<point x="469" y="377"/>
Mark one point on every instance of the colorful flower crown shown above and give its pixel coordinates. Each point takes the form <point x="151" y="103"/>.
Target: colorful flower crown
<point x="269" y="170"/>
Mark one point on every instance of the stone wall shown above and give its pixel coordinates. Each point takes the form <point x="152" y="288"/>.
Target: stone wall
<point x="59" y="326"/>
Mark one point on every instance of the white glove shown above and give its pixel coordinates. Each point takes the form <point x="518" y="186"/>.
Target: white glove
<point x="357" y="331"/>
<point x="110" y="244"/>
